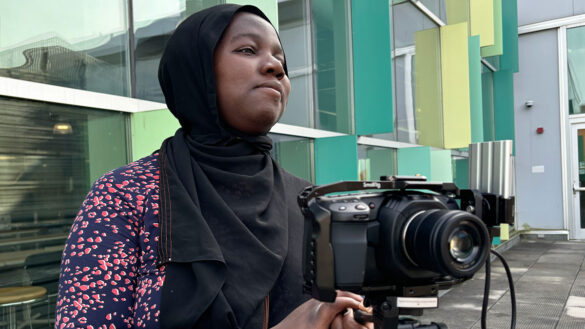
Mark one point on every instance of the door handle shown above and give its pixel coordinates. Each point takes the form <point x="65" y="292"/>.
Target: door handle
<point x="577" y="188"/>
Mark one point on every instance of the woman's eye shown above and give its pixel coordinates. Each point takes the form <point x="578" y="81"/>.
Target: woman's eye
<point x="247" y="50"/>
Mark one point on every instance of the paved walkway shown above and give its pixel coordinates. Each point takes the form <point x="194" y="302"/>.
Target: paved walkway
<point x="549" y="279"/>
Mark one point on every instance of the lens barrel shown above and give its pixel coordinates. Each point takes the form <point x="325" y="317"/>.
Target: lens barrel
<point x="449" y="242"/>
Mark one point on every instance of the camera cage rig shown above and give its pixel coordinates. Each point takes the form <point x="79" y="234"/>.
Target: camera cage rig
<point x="389" y="301"/>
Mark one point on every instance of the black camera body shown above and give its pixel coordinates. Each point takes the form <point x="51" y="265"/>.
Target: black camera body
<point x="406" y="238"/>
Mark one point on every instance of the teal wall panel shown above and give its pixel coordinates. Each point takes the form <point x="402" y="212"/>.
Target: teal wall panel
<point x="441" y="166"/>
<point x="475" y="91"/>
<point x="509" y="59"/>
<point x="372" y="70"/>
<point x="336" y="159"/>
<point x="504" y="105"/>
<point x="461" y="173"/>
<point x="414" y="161"/>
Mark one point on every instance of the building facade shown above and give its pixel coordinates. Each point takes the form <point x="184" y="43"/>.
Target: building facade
<point x="548" y="107"/>
<point x="379" y="87"/>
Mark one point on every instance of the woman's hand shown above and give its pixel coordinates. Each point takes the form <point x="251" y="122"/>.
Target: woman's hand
<point x="314" y="314"/>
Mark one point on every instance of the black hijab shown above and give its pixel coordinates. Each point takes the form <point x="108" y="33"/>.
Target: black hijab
<point x="224" y="213"/>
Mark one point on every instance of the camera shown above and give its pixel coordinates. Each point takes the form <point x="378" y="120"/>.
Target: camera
<point x="399" y="237"/>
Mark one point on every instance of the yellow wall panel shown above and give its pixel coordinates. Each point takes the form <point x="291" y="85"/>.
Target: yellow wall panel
<point x="481" y="13"/>
<point x="427" y="70"/>
<point x="457" y="11"/>
<point x="498" y="47"/>
<point x="455" y="86"/>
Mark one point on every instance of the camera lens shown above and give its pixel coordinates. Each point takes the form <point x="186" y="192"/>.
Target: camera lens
<point x="461" y="245"/>
<point x="449" y="242"/>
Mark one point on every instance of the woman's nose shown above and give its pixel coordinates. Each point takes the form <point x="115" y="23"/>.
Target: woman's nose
<point x="273" y="66"/>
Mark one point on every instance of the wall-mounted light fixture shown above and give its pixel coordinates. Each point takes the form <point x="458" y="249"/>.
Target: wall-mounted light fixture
<point x="62" y="129"/>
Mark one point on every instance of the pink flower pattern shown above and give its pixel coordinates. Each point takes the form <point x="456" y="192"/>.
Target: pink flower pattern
<point x="109" y="278"/>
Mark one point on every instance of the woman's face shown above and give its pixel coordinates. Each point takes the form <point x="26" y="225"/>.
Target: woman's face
<point x="252" y="88"/>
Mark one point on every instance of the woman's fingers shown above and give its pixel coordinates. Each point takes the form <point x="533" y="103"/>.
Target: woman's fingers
<point x="341" y="303"/>
<point x="346" y="321"/>
<point x="344" y="293"/>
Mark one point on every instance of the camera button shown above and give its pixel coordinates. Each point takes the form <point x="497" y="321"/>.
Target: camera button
<point x="361" y="206"/>
<point x="342" y="208"/>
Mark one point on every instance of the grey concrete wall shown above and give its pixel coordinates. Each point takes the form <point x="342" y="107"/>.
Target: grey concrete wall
<point x="531" y="11"/>
<point x="539" y="194"/>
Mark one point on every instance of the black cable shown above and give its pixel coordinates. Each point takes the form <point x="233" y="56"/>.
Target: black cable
<point x="511" y="284"/>
<point x="486" y="292"/>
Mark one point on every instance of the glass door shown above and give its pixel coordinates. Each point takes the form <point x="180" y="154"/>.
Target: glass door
<point x="578" y="174"/>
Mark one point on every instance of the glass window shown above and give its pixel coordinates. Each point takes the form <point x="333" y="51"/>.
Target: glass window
<point x="576" y="69"/>
<point x="294" y="154"/>
<point x="76" y="44"/>
<point x="295" y="33"/>
<point x="375" y="162"/>
<point x="49" y="156"/>
<point x="438" y="8"/>
<point x="316" y="37"/>
<point x="487" y="89"/>
<point x="154" y="21"/>
<point x="407" y="19"/>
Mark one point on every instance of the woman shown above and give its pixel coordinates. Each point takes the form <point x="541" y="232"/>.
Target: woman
<point x="205" y="233"/>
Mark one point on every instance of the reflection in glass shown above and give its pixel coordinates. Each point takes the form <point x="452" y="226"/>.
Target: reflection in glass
<point x="375" y="162"/>
<point x="154" y="21"/>
<point x="76" y="44"/>
<point x="332" y="46"/>
<point x="294" y="154"/>
<point x="295" y="32"/>
<point x="581" y="166"/>
<point x="576" y="69"/>
<point x="318" y="53"/>
<point x="49" y="156"/>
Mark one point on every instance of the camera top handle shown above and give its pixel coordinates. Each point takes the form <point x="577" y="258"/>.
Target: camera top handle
<point x="386" y="183"/>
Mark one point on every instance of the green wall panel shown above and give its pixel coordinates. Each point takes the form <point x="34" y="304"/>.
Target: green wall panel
<point x="455" y="86"/>
<point x="475" y="91"/>
<point x="372" y="67"/>
<point x="414" y="161"/>
<point x="497" y="47"/>
<point x="482" y="20"/>
<point x="504" y="105"/>
<point x="427" y="70"/>
<point x="382" y="163"/>
<point x="193" y="6"/>
<point x="149" y="129"/>
<point x="441" y="166"/>
<point x="461" y="173"/>
<point x="292" y="155"/>
<point x="509" y="59"/>
<point x="105" y="152"/>
<point x="336" y="159"/>
<point x="268" y="7"/>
